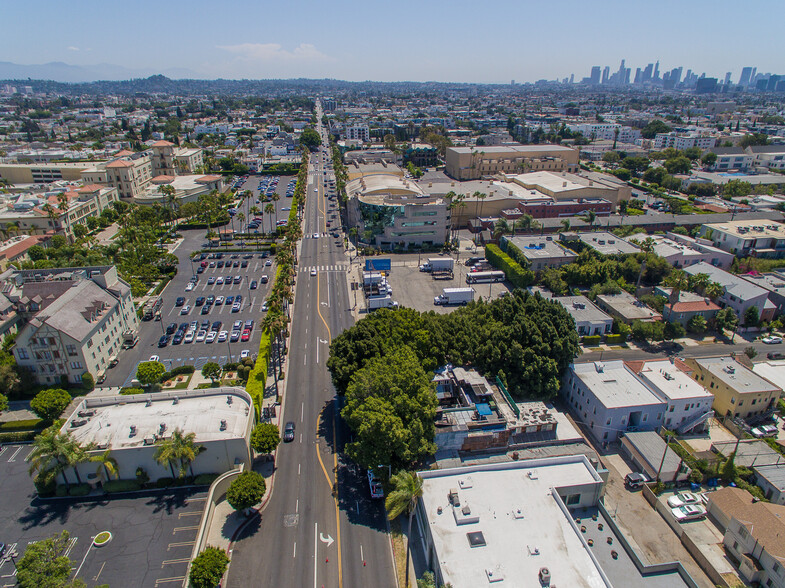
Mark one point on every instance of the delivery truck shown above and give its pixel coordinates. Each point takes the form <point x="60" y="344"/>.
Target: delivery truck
<point x="451" y="296"/>
<point x="437" y="264"/>
<point x="375" y="302"/>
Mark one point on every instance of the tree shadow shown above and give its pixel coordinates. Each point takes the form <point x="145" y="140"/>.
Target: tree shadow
<point x="250" y="529"/>
<point x="170" y="502"/>
<point x="43" y="512"/>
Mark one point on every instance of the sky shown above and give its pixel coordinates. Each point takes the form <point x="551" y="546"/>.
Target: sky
<point x="424" y="40"/>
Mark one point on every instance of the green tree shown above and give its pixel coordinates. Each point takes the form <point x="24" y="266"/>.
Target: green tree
<point x="611" y="157"/>
<point x="729" y="472"/>
<point x="678" y="165"/>
<point x="10" y="381"/>
<point x="179" y="450"/>
<point x="692" y="153"/>
<point x="149" y="372"/>
<point x="407" y="489"/>
<point x="53" y="453"/>
<point x="208" y="568"/>
<point x="310" y="138"/>
<point x="211" y="370"/>
<point x="107" y="465"/>
<point x="88" y="381"/>
<point x="390" y="407"/>
<point x="671" y="331"/>
<point x="751" y="317"/>
<point x="265" y="438"/>
<point x="697" y="324"/>
<point x="3" y="402"/>
<point x="750" y="352"/>
<point x="50" y="404"/>
<point x="80" y="231"/>
<point x="753" y="139"/>
<point x="737" y="189"/>
<point x="636" y="164"/>
<point x="45" y="565"/>
<point x="726" y="319"/>
<point x="709" y="158"/>
<point x="654" y="127"/>
<point x="246" y="490"/>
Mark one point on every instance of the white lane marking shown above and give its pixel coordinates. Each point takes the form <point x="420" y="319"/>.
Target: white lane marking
<point x="294" y="554"/>
<point x="361" y="553"/>
<point x="302" y="411"/>
<point x="315" y="550"/>
<point x="298" y="469"/>
<point x="297" y="506"/>
<point x="18" y="449"/>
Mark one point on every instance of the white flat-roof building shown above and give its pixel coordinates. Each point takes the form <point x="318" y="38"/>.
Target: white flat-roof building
<point x="507" y="522"/>
<point x="589" y="320"/>
<point x="607" y="243"/>
<point x="543" y="251"/>
<point x="133" y="426"/>
<point x="683" y="251"/>
<point x="763" y="238"/>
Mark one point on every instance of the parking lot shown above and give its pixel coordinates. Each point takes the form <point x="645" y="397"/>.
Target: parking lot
<point x="152" y="534"/>
<point x="261" y="198"/>
<point x="415" y="289"/>
<point x="198" y="353"/>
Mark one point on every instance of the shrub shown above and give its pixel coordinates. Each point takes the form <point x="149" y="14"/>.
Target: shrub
<point x="591" y="340"/>
<point x="79" y="490"/>
<point x="44" y="487"/>
<point x="518" y="276"/>
<point x="208" y="568"/>
<point x="205" y="479"/>
<point x="178" y="371"/>
<point x="131" y="391"/>
<point x="113" y="486"/>
<point x="88" y="381"/>
<point x="257" y="378"/>
<point x="164" y="482"/>
<point x="18" y="436"/>
<point x="615" y="339"/>
<point x="61" y="491"/>
<point x="28" y="425"/>
<point x="265" y="437"/>
<point x="50" y="404"/>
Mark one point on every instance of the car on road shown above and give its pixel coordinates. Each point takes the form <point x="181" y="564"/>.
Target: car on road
<point x="253" y="285"/>
<point x="245" y="354"/>
<point x="185" y="309"/>
<point x="171" y="328"/>
<point x="246" y="335"/>
<point x="189" y="287"/>
<point x="211" y="280"/>
<point x="313" y="271"/>
<point x="210" y="337"/>
<point x="200" y="336"/>
<point x="154" y="358"/>
<point x="200" y="301"/>
<point x="164" y="340"/>
<point x="775" y="355"/>
<point x="265" y="306"/>
<point x="235" y="336"/>
<point x="180" y="301"/>
<point x="683" y="498"/>
<point x="222" y="336"/>
<point x="772" y="340"/>
<point x="688" y="512"/>
<point x="288" y="432"/>
<point x="219" y="301"/>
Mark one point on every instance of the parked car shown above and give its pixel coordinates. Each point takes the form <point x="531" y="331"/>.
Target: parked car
<point x="219" y="301"/>
<point x="171" y="328"/>
<point x="211" y="280"/>
<point x="163" y="341"/>
<point x="635" y="480"/>
<point x="245" y="354"/>
<point x="189" y="287"/>
<point x="154" y="358"/>
<point x="253" y="285"/>
<point x="210" y="337"/>
<point x="683" y="498"/>
<point x="222" y="336"/>
<point x="235" y="336"/>
<point x="185" y="309"/>
<point x="689" y="512"/>
<point x="246" y="335"/>
<point x="772" y="340"/>
<point x="764" y="431"/>
<point x="180" y="301"/>
<point x="200" y="300"/>
<point x="775" y="355"/>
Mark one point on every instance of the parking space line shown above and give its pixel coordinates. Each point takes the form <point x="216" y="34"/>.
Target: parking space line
<point x="18" y="449"/>
<point x="169" y="562"/>
<point x="185" y="529"/>
<point x="71" y="544"/>
<point x="165" y="580"/>
<point x="3" y="449"/>
<point x="181" y="544"/>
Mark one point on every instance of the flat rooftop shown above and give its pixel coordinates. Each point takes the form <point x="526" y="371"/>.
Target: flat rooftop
<point x="582" y="309"/>
<point x="541" y="247"/>
<point x="773" y="371"/>
<point x="735" y="375"/>
<point x="673" y="383"/>
<point x="629" y="307"/>
<point x="614" y="384"/>
<point x="544" y="147"/>
<point x="106" y="421"/>
<point x="751" y="229"/>
<point x="607" y="243"/>
<point x="522" y="524"/>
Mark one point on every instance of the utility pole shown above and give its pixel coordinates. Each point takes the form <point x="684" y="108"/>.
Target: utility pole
<point x="664" y="453"/>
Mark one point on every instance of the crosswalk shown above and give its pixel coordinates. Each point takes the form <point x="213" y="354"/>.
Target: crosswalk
<point x="340" y="267"/>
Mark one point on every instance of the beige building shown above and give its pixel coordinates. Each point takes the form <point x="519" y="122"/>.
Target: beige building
<point x="390" y="211"/>
<point x="186" y="188"/>
<point x="471" y="163"/>
<point x="761" y="238"/>
<point x="42" y="173"/>
<point x="131" y="427"/>
<point x="72" y="320"/>
<point x="358" y="169"/>
<point x="738" y="391"/>
<point x="170" y="160"/>
<point x="571" y="186"/>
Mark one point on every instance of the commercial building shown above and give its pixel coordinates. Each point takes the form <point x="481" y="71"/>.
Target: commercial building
<point x="16" y="249"/>
<point x="759" y="238"/>
<point x="768" y="156"/>
<point x="357" y="132"/>
<point x="472" y="163"/>
<point x="753" y="537"/>
<point x="72" y="320"/>
<point x="421" y="155"/>
<point x="607" y="243"/>
<point x="607" y="132"/>
<point x="187" y="188"/>
<point x="650" y="455"/>
<point x="42" y="173"/>
<point x="167" y="159"/>
<point x="737" y="390"/>
<point x="510" y="523"/>
<point x="132" y="427"/>
<point x="570" y="186"/>
<point x="682" y="251"/>
<point x="738" y="294"/>
<point x="541" y="252"/>
<point x="732" y="159"/>
<point x="589" y="320"/>
<point x="625" y="307"/>
<point x="392" y="212"/>
<point x="609" y="399"/>
<point x="688" y="403"/>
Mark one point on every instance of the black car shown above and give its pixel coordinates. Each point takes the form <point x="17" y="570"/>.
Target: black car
<point x="205" y="309"/>
<point x="236" y="264"/>
<point x="178" y="338"/>
<point x="253" y="285"/>
<point x="235" y="256"/>
<point x="243" y="264"/>
<point x="248" y="256"/>
<point x="200" y="301"/>
<point x="229" y="300"/>
<point x="180" y="301"/>
<point x="210" y="300"/>
<point x="163" y="341"/>
<point x="220" y="264"/>
<point x="219" y="255"/>
<point x="238" y="298"/>
<point x="205" y="325"/>
<point x="217" y="326"/>
<point x="183" y="327"/>
<point x="288" y="432"/>
<point x="249" y="324"/>
<point x="171" y="328"/>
<point x="200" y="270"/>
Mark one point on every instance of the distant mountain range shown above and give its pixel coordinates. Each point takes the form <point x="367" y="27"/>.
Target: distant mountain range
<point x="58" y="71"/>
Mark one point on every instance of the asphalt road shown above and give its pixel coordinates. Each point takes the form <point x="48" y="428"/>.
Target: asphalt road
<point x="320" y="527"/>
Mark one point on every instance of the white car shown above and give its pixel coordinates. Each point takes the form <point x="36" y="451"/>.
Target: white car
<point x="244" y="354"/>
<point x="268" y="263"/>
<point x="189" y="337"/>
<point x="772" y="340"/>
<point x="313" y="272"/>
<point x="764" y="431"/>
<point x="316" y="235"/>
<point x="154" y="358"/>
<point x="189" y="287"/>
<point x="682" y="499"/>
<point x="219" y="301"/>
<point x="185" y="309"/>
<point x="210" y="337"/>
<point x="689" y="512"/>
<point x="200" y="336"/>
<point x="265" y="306"/>
<point x="222" y="336"/>
<point x="219" y="280"/>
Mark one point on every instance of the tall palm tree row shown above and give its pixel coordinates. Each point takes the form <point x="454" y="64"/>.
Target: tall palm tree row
<point x="407" y="488"/>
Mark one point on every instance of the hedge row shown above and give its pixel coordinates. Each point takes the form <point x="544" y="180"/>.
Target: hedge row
<point x="516" y="275"/>
<point x="121" y="486"/>
<point x="131" y="391"/>
<point x="257" y="379"/>
<point x="15" y="426"/>
<point x="615" y="339"/>
<point x="179" y="370"/>
<point x="591" y="340"/>
<point x="17" y="437"/>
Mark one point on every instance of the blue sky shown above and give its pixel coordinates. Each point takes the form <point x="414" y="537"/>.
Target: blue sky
<point x="492" y="41"/>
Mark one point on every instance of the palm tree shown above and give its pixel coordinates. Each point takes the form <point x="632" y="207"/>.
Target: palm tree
<point x="714" y="290"/>
<point x="62" y="205"/>
<point x="270" y="210"/>
<point x="178" y="450"/>
<point x="501" y="228"/>
<point x="525" y="222"/>
<point x="241" y="219"/>
<point x="403" y="499"/>
<point x="53" y="453"/>
<point x="51" y="212"/>
<point x="699" y="282"/>
<point x="107" y="465"/>
<point x="590" y="217"/>
<point x="276" y="197"/>
<point x="565" y="225"/>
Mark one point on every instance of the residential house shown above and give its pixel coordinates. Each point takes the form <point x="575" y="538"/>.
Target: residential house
<point x="738" y="294"/>
<point x="627" y="308"/>
<point x="682" y="251"/>
<point x="589" y="320"/>
<point x="650" y="455"/>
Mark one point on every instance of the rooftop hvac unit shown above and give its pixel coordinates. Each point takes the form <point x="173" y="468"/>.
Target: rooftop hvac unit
<point x="149" y="402"/>
<point x="545" y="576"/>
<point x="223" y="424"/>
<point x="176" y="400"/>
<point x="161" y="428"/>
<point x="229" y="399"/>
<point x="133" y="431"/>
<point x="453" y="498"/>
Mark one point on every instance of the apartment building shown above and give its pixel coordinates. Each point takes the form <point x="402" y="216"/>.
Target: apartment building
<point x="759" y="238"/>
<point x="683" y="141"/>
<point x="357" y="132"/>
<point x="682" y="251"/>
<point x="732" y="158"/>
<point x="607" y="132"/>
<point x="71" y="320"/>
<point x="627" y="308"/>
<point x="169" y="160"/>
<point x="739" y="294"/>
<point x="737" y="390"/>
<point x="186" y="188"/>
<point x="589" y="320"/>
<point x="542" y="251"/>
<point x="472" y="163"/>
<point x="768" y="156"/>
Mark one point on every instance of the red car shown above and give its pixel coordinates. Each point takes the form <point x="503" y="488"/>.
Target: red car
<point x="246" y="335"/>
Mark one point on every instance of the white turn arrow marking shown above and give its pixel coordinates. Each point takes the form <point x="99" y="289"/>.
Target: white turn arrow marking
<point x="329" y="540"/>
<point x="322" y="341"/>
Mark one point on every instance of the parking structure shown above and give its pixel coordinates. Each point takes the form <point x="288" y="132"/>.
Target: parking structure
<point x="153" y="533"/>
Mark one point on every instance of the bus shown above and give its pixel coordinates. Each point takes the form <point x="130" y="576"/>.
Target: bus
<point x="484" y="277"/>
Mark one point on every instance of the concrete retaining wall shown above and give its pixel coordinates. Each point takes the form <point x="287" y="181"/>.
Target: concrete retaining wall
<point x="703" y="562"/>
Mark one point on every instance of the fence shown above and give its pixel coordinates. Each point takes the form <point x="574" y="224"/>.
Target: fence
<point x="508" y="398"/>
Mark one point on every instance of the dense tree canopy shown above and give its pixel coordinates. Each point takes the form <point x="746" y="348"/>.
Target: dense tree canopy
<point x="310" y="138"/>
<point x="45" y="565"/>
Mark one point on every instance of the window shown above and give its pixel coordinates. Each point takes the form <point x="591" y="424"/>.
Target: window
<point x="76" y="365"/>
<point x="743" y="532"/>
<point x="71" y="349"/>
<point x="645" y="418"/>
<point x="22" y="353"/>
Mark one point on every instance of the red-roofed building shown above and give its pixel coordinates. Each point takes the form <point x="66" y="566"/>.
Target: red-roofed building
<point x="687" y="305"/>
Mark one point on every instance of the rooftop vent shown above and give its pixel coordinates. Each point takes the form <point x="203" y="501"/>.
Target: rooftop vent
<point x="494" y="575"/>
<point x="223" y="424"/>
<point x="533" y="475"/>
<point x="453" y="498"/>
<point x="729" y="369"/>
<point x="517" y="513"/>
<point x="229" y="399"/>
<point x="465" y="483"/>
<point x="476" y="539"/>
<point x="161" y="428"/>
<point x="176" y="400"/>
<point x="133" y="431"/>
<point x="545" y="576"/>
<point x="599" y="367"/>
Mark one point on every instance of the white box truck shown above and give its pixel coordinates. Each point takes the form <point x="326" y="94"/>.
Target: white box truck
<point x="454" y="296"/>
<point x="375" y="302"/>
<point x="436" y="264"/>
